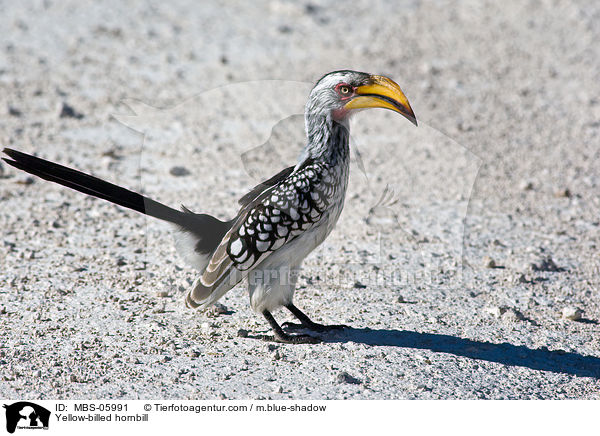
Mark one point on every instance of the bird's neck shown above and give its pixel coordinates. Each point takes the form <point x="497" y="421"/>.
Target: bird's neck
<point x="328" y="140"/>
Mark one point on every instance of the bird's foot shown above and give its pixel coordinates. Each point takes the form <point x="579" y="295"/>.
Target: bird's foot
<point x="316" y="327"/>
<point x="291" y="339"/>
<point x="283" y="337"/>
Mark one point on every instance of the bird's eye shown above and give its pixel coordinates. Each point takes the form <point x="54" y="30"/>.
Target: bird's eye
<point x="344" y="90"/>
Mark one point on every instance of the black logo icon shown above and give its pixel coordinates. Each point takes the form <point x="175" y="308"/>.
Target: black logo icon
<point x="26" y="415"/>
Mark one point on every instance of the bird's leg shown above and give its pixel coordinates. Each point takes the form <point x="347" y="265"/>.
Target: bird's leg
<point x="305" y="322"/>
<point x="281" y="336"/>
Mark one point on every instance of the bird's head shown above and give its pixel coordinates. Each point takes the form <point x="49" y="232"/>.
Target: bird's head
<point x="341" y="93"/>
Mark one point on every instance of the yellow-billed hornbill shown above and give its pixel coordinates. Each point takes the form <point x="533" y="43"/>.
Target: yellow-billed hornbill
<point x="279" y="222"/>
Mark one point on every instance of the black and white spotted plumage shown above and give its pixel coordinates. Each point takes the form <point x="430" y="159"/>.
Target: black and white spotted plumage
<point x="312" y="195"/>
<point x="286" y="211"/>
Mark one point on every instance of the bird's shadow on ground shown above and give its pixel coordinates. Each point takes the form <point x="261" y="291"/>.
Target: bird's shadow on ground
<point x="540" y="359"/>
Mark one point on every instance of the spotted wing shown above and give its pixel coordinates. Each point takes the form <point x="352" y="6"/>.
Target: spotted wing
<point x="276" y="216"/>
<point x="260" y="188"/>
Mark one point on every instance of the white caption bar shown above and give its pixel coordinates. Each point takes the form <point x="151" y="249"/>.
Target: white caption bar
<point x="262" y="417"/>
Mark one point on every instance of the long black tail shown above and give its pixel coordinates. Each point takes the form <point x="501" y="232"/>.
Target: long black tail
<point x="205" y="226"/>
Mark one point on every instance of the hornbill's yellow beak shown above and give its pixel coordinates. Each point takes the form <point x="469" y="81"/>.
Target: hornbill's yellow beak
<point x="385" y="93"/>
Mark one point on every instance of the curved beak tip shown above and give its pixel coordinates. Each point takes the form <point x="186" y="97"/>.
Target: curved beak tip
<point x="407" y="112"/>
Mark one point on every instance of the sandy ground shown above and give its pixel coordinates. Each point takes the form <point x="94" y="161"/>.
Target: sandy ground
<point x="455" y="281"/>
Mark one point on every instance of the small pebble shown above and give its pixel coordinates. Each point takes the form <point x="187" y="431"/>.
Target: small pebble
<point x="14" y="112"/>
<point x="495" y="311"/>
<point x="179" y="171"/>
<point x="562" y="193"/>
<point x="216" y="310"/>
<point x="25" y="181"/>
<point x="311" y="9"/>
<point x="359" y="285"/>
<point x="488" y="262"/>
<point x="512" y="315"/>
<point x="242" y="333"/>
<point x="572" y="313"/>
<point x="526" y="185"/>
<point x="67" y="111"/>
<point x="162" y="294"/>
<point x="112" y="153"/>
<point x="545" y="264"/>
<point x="344" y="377"/>
<point x="276" y="355"/>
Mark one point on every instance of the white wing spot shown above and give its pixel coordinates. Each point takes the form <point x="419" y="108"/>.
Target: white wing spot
<point x="236" y="247"/>
<point x="262" y="246"/>
<point x="282" y="231"/>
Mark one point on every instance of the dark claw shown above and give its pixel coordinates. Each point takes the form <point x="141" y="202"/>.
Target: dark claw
<point x="283" y="337"/>
<point x="292" y="326"/>
<point x="307" y="323"/>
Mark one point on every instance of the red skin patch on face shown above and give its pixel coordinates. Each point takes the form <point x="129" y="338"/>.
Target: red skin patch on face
<point x="340" y="114"/>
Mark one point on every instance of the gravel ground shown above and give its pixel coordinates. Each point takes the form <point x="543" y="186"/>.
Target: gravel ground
<point x="466" y="259"/>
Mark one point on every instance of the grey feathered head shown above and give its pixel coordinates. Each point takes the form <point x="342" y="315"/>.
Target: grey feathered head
<point x="340" y="93"/>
